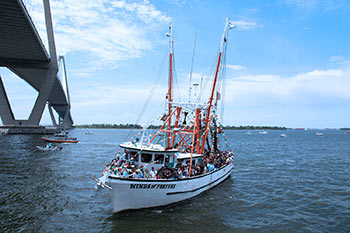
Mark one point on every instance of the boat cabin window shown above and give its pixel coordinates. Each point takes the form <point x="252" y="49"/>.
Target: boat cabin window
<point x="159" y="158"/>
<point x="187" y="161"/>
<point x="179" y="162"/>
<point x="170" y="161"/>
<point x="146" y="158"/>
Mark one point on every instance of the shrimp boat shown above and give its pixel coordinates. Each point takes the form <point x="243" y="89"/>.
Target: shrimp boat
<point x="185" y="151"/>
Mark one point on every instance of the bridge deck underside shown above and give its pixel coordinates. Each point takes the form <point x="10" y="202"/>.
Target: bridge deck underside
<point x="22" y="51"/>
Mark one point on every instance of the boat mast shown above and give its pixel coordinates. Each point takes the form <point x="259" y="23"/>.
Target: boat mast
<point x="190" y="89"/>
<point x="169" y="95"/>
<point x="228" y="26"/>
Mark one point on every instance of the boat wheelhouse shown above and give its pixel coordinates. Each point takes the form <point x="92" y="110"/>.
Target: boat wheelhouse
<point x="157" y="156"/>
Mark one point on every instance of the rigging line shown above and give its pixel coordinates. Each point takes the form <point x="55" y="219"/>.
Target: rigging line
<point x="148" y="100"/>
<point x="152" y="91"/>
<point x="194" y="49"/>
<point x="223" y="87"/>
<point x="211" y="73"/>
<point x="155" y="112"/>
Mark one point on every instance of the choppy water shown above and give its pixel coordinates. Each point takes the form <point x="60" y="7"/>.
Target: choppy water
<point x="299" y="183"/>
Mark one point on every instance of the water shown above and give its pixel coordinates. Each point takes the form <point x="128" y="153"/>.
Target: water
<point x="298" y="183"/>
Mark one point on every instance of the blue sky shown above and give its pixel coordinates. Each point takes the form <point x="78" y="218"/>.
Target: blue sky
<point x="288" y="61"/>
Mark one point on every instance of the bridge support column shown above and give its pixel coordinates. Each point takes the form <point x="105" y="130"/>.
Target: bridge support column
<point x="44" y="94"/>
<point x="54" y="123"/>
<point x="46" y="87"/>
<point x="6" y="113"/>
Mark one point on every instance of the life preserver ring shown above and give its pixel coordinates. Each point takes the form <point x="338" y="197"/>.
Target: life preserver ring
<point x="165" y="173"/>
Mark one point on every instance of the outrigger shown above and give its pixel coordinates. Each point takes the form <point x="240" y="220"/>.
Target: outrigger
<point x="185" y="151"/>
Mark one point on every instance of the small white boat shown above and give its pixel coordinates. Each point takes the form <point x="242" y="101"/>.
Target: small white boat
<point x="263" y="132"/>
<point x="49" y="147"/>
<point x="283" y="135"/>
<point x="319" y="133"/>
<point x="249" y="133"/>
<point x="3" y="131"/>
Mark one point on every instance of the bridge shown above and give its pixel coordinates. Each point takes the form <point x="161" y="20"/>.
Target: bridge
<point x="23" y="52"/>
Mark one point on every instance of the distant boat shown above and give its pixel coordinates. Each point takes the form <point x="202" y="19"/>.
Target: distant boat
<point x="3" y="131"/>
<point x="249" y="133"/>
<point x="283" y="135"/>
<point x="319" y="133"/>
<point x="299" y="128"/>
<point x="263" y="132"/>
<point x="347" y="132"/>
<point x="61" y="138"/>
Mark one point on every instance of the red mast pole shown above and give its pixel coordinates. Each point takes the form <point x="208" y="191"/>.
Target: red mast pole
<point x="210" y="102"/>
<point x="170" y="98"/>
<point x="228" y="26"/>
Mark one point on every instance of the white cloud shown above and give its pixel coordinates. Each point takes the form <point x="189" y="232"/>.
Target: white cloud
<point x="119" y="103"/>
<point x="303" y="88"/>
<point x="245" y="24"/>
<point x="345" y="63"/>
<point x="268" y="95"/>
<point x="235" y="67"/>
<point x="340" y="61"/>
<point x="320" y="4"/>
<point x="301" y="3"/>
<point x="105" y="32"/>
<point x="336" y="59"/>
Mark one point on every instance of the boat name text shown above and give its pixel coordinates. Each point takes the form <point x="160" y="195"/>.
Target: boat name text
<point x="152" y="186"/>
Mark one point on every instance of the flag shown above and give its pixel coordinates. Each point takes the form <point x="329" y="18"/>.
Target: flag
<point x="218" y="95"/>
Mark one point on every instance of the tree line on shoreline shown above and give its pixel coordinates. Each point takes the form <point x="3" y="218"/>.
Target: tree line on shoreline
<point x="136" y="126"/>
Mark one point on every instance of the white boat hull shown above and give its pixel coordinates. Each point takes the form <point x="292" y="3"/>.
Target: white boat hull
<point x="48" y="149"/>
<point x="144" y="193"/>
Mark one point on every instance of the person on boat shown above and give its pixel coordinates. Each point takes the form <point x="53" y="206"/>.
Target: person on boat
<point x="133" y="169"/>
<point x="107" y="169"/>
<point x="119" y="163"/>
<point x="122" y="163"/>
<point x="147" y="175"/>
<point x="184" y="171"/>
<point x="128" y="165"/>
<point x="132" y="161"/>
<point x="126" y="154"/>
<point x="216" y="164"/>
<point x="141" y="174"/>
<point x="198" y="170"/>
<point x="125" y="172"/>
<point x="210" y="167"/>
<point x="114" y="161"/>
<point x="119" y="171"/>
<point x="153" y="173"/>
<point x="136" y="174"/>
